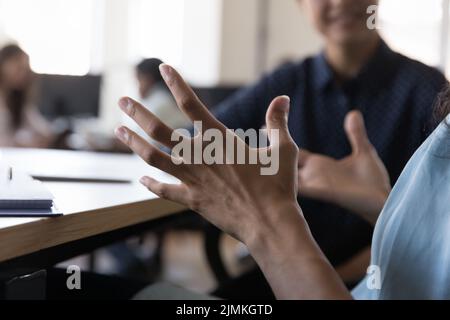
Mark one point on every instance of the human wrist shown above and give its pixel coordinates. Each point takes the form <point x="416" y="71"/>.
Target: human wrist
<point x="272" y="235"/>
<point x="291" y="261"/>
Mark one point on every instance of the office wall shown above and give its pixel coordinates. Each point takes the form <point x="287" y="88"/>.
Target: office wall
<point x="115" y="56"/>
<point x="290" y="34"/>
<point x="239" y="47"/>
<point x="3" y="37"/>
<point x="202" y="41"/>
<point x="258" y="35"/>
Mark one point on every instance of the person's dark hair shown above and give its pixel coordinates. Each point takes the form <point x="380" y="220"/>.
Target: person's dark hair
<point x="443" y="105"/>
<point x="15" y="99"/>
<point x="150" y="68"/>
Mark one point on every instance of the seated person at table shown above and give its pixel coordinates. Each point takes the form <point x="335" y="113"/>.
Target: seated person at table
<point x="355" y="71"/>
<point x="154" y="94"/>
<point x="410" y="246"/>
<point x="21" y="124"/>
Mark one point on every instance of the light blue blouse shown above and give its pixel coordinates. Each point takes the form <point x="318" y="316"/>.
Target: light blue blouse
<point x="411" y="241"/>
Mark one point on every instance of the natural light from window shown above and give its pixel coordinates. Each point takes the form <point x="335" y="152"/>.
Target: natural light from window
<point x="55" y="33"/>
<point x="152" y="34"/>
<point x="414" y="28"/>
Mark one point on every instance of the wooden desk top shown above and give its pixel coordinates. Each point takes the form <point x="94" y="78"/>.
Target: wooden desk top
<point x="89" y="208"/>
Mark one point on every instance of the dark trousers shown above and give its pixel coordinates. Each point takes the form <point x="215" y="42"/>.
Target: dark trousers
<point x="250" y="285"/>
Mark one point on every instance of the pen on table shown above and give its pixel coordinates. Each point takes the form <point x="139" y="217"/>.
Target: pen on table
<point x="10" y="173"/>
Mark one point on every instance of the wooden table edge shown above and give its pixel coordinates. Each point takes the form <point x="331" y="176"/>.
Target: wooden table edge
<point x="23" y="239"/>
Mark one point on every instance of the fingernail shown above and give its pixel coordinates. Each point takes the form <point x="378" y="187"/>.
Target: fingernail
<point x="143" y="180"/>
<point x="122" y="134"/>
<point x="125" y="104"/>
<point x="166" y="71"/>
<point x="286" y="103"/>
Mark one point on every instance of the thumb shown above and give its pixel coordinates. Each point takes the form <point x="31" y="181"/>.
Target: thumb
<point x="356" y="132"/>
<point x="277" y="120"/>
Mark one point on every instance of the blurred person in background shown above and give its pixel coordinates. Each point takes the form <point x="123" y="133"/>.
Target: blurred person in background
<point x="355" y="71"/>
<point x="155" y="95"/>
<point x="21" y="124"/>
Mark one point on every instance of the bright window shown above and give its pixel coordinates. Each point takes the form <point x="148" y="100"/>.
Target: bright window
<point x="418" y="29"/>
<point x="156" y="29"/>
<point x="56" y="33"/>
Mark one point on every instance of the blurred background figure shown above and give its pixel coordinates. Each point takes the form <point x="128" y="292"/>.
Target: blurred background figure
<point x="21" y="124"/>
<point x="156" y="97"/>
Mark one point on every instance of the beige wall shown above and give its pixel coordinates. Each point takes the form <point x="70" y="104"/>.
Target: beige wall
<point x="202" y="41"/>
<point x="117" y="71"/>
<point x="289" y="35"/>
<point x="239" y="41"/>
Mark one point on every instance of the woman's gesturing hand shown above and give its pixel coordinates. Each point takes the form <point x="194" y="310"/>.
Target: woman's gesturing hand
<point x="359" y="182"/>
<point x="235" y="197"/>
<point x="256" y="206"/>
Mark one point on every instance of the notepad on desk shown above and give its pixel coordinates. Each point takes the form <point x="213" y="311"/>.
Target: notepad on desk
<point x="20" y="195"/>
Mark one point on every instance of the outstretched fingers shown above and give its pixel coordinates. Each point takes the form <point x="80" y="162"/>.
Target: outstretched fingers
<point x="151" y="124"/>
<point x="187" y="100"/>
<point x="151" y="154"/>
<point x="172" y="192"/>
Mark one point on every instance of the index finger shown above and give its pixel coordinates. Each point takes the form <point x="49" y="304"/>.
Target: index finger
<point x="187" y="100"/>
<point x="150" y="123"/>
